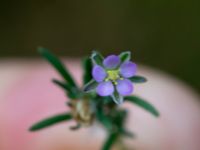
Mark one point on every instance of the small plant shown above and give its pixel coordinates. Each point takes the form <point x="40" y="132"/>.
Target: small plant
<point x="107" y="83"/>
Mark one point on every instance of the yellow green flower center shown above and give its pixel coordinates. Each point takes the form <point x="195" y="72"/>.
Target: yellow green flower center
<point x="113" y="75"/>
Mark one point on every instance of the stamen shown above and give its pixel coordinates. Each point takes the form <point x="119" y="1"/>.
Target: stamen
<point x="115" y="82"/>
<point x="107" y="79"/>
<point x="113" y="75"/>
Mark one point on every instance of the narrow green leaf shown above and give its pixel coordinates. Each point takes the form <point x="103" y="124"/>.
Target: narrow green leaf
<point x="118" y="99"/>
<point x="62" y="85"/>
<point x="76" y="127"/>
<point x="90" y="86"/>
<point x="71" y="91"/>
<point x="50" y="121"/>
<point x="104" y="120"/>
<point x="96" y="58"/>
<point x="127" y="133"/>
<point x="142" y="103"/>
<point x="110" y="141"/>
<point x="87" y="69"/>
<point x="138" y="79"/>
<point x="125" y="56"/>
<point x="58" y="65"/>
<point x="120" y="118"/>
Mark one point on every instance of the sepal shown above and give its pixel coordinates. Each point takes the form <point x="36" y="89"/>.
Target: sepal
<point x="97" y="58"/>
<point x="90" y="86"/>
<point x="125" y="56"/>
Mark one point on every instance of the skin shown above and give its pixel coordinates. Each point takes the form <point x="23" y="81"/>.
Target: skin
<point x="27" y="95"/>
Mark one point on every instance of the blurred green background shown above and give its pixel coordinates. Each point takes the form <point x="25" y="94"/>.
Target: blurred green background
<point x="164" y="34"/>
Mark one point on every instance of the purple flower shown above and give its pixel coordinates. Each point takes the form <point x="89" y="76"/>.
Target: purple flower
<point x="112" y="76"/>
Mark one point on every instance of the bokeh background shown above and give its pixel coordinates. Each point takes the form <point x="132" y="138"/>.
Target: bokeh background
<point x="162" y="34"/>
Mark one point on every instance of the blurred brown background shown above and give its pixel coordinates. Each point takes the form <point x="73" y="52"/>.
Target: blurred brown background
<point x="163" y="34"/>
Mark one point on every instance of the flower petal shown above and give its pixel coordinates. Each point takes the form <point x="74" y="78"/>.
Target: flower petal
<point x="128" y="69"/>
<point x="105" y="88"/>
<point x="124" y="87"/>
<point x="98" y="73"/>
<point x="111" y="62"/>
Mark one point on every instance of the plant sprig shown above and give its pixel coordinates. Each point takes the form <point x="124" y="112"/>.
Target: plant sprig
<point x="93" y="106"/>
